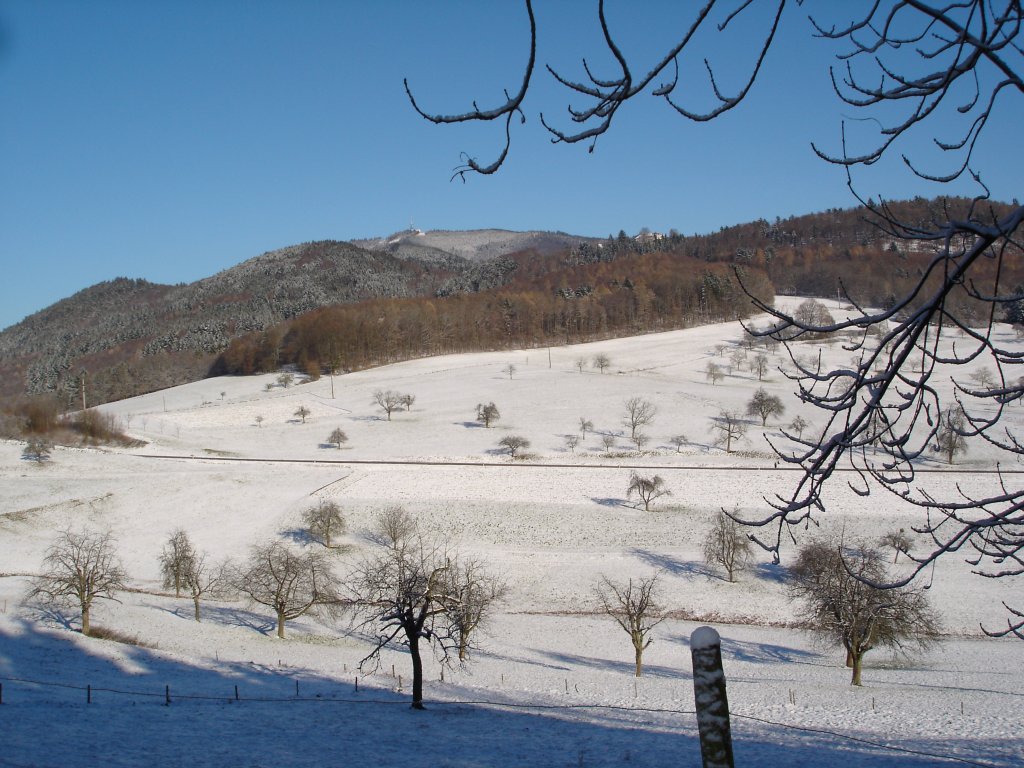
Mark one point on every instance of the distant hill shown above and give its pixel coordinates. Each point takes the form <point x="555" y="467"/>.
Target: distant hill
<point x="415" y="293"/>
<point x="132" y="336"/>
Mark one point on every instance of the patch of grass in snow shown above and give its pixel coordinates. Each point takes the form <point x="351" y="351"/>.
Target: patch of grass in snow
<point x="116" y="636"/>
<point x="215" y="452"/>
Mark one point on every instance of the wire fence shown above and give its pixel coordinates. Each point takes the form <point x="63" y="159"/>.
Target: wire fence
<point x="167" y="696"/>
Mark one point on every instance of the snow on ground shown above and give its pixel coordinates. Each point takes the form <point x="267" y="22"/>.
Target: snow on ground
<point x="552" y="684"/>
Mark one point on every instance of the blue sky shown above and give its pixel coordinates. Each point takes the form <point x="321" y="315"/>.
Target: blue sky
<point x="170" y="140"/>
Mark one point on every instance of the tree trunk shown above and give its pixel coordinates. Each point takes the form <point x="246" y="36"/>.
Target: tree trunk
<point x="417" y="671"/>
<point x="849" y="658"/>
<point x="280" y="625"/>
<point x="195" y="602"/>
<point x="857" y="660"/>
<point x="85" y="619"/>
<point x="639" y="660"/>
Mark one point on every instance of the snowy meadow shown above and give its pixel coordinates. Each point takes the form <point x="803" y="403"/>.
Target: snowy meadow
<point x="236" y="461"/>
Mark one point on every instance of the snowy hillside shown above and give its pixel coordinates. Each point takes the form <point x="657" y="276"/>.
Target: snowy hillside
<point x="234" y="462"/>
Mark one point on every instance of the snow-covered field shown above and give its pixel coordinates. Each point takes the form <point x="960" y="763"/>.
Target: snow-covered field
<point x="552" y="684"/>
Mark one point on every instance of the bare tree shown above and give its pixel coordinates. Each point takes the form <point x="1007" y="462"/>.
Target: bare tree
<point x="387" y="400"/>
<point x="678" y="441"/>
<point x="204" y="579"/>
<point x="403" y="592"/>
<point x="798" y="425"/>
<point x="602" y="362"/>
<point x="407" y="400"/>
<point x="727" y="545"/>
<point x="285" y="380"/>
<point x="324" y="522"/>
<point x="633" y="606"/>
<point x="647" y="488"/>
<point x="510" y="369"/>
<point x="765" y="405"/>
<point x="289" y="583"/>
<point x="586" y="425"/>
<point x="175" y="559"/>
<point x="608" y="441"/>
<point x="713" y="372"/>
<point x="899" y="541"/>
<point x="951" y="439"/>
<point x="571" y="441"/>
<point x="302" y="412"/>
<point x="842" y="599"/>
<point x="487" y="413"/>
<point x="918" y="75"/>
<point x="760" y="366"/>
<point x="258" y="420"/>
<point x="473" y="593"/>
<point x="580" y="363"/>
<point x="639" y="413"/>
<point x="736" y="359"/>
<point x="514" y="444"/>
<point x="727" y="428"/>
<point x="337" y="437"/>
<point x="80" y="567"/>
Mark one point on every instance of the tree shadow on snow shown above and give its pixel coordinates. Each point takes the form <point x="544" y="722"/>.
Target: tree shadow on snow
<point x="627" y="668"/>
<point x="762" y="653"/>
<point x="673" y="566"/>
<point x="128" y="696"/>
<point x="774" y="572"/>
<point x="609" y="501"/>
<point x="469" y="424"/>
<point x="299" y="536"/>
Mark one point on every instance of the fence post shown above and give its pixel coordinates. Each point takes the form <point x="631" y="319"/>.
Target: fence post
<point x="710" y="699"/>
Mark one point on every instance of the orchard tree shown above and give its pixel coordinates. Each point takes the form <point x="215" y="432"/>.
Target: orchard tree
<point x="509" y="369"/>
<point x="580" y="363"/>
<point x="647" y="488"/>
<point x="80" y="568"/>
<point x="760" y="366"/>
<point x="324" y="522"/>
<point x="474" y="593"/>
<point x="950" y="438"/>
<point x="678" y="441"/>
<point x="487" y="414"/>
<point x="571" y="441"/>
<point x="514" y="444"/>
<point x="289" y="583"/>
<point x="921" y="80"/>
<point x="798" y="425"/>
<point x="727" y="545"/>
<point x="634" y="607"/>
<point x="407" y="400"/>
<point x="602" y="362"/>
<point x="839" y="589"/>
<point x="727" y="428"/>
<point x="713" y="372"/>
<point x="177" y="554"/>
<point x="765" y="405"/>
<point x="413" y="591"/>
<point x="586" y="425"/>
<point x="258" y="420"/>
<point x="204" y="579"/>
<point x="285" y="380"/>
<point x="337" y="437"/>
<point x="639" y="413"/>
<point x="388" y="400"/>
<point x="302" y="412"/>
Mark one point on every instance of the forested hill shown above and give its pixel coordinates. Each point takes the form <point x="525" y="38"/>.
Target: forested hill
<point x="345" y="305"/>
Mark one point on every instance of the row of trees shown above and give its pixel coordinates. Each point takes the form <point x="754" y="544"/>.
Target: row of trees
<point x="413" y="589"/>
